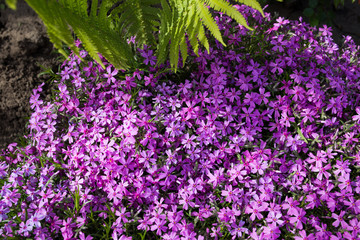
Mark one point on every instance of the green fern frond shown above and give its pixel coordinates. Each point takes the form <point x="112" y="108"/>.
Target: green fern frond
<point x="164" y="29"/>
<point x="57" y="28"/>
<point x="231" y="11"/>
<point x="105" y="25"/>
<point x="193" y="30"/>
<point x="140" y="18"/>
<point x="95" y="33"/>
<point x="177" y="33"/>
<point x="190" y="18"/>
<point x="11" y="4"/>
<point x="253" y="4"/>
<point x="208" y="20"/>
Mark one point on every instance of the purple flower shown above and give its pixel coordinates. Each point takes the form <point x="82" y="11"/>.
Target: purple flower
<point x="339" y="219"/>
<point x="299" y="219"/>
<point x="255" y="209"/>
<point x="238" y="229"/>
<point x="110" y="75"/>
<point x="304" y="236"/>
<point x="35" y="219"/>
<point x="149" y="57"/>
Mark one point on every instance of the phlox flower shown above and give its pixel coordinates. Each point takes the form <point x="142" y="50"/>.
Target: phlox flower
<point x="271" y="231"/>
<point x="353" y="204"/>
<point x="237" y="172"/>
<point x="290" y="204"/>
<point x="232" y="195"/>
<point x="345" y="182"/>
<point x="277" y="66"/>
<point x="263" y="96"/>
<point x="144" y="223"/>
<point x="186" y="200"/>
<point x="150" y="80"/>
<point x="258" y="166"/>
<point x="110" y="75"/>
<point x="82" y="236"/>
<point x="257" y="236"/>
<point x="304" y="236"/>
<point x="339" y="219"/>
<point x="171" y="236"/>
<point x="35" y="219"/>
<point x="149" y="57"/>
<point x="237" y="230"/>
<point x="195" y="186"/>
<point x="342" y="168"/>
<point x="354" y="225"/>
<point x="322" y="171"/>
<point x="357" y="117"/>
<point x="25" y="229"/>
<point x="299" y="219"/>
<point x="67" y="229"/>
<point x="255" y="209"/>
<point x="216" y="178"/>
<point x="275" y="218"/>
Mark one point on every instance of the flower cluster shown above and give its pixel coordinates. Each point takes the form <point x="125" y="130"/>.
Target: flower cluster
<point x="258" y="141"/>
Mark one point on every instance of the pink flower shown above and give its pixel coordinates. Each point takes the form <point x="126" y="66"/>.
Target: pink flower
<point x="357" y="117"/>
<point x="255" y="209"/>
<point x="339" y="219"/>
<point x="36" y="218"/>
<point x="299" y="219"/>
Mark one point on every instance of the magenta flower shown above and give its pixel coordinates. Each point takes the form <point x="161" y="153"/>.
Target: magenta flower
<point x="339" y="219"/>
<point x="290" y="205"/>
<point x="345" y="182"/>
<point x="82" y="236"/>
<point x="238" y="229"/>
<point x="110" y="75"/>
<point x="232" y="195"/>
<point x="304" y="236"/>
<point x="275" y="218"/>
<point x="255" y="209"/>
<point x="299" y="219"/>
<point x="186" y="201"/>
<point x="216" y="178"/>
<point x="357" y="117"/>
<point x="36" y="218"/>
<point x="144" y="223"/>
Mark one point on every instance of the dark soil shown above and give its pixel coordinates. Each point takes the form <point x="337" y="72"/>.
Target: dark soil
<point x="24" y="47"/>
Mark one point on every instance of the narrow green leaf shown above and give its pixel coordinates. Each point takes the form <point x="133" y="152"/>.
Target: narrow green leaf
<point x="222" y="6"/>
<point x="208" y="21"/>
<point x="11" y="4"/>
<point x="183" y="50"/>
<point x="301" y="135"/>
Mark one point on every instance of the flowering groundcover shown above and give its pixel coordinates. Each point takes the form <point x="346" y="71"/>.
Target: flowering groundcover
<point x="255" y="140"/>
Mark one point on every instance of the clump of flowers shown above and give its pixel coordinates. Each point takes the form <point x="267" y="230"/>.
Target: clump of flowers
<point x="255" y="140"/>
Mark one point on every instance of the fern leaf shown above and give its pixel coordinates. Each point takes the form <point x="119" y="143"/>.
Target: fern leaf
<point x="95" y="32"/>
<point x="174" y="38"/>
<point x="253" y="4"/>
<point x="183" y="50"/>
<point x="223" y="6"/>
<point x="193" y="30"/>
<point x="208" y="20"/>
<point x="93" y="8"/>
<point x="203" y="39"/>
<point x="11" y="4"/>
<point x="164" y="32"/>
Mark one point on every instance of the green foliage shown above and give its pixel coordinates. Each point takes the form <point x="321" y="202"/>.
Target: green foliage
<point x="94" y="29"/>
<point x="11" y="4"/>
<point x="105" y="26"/>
